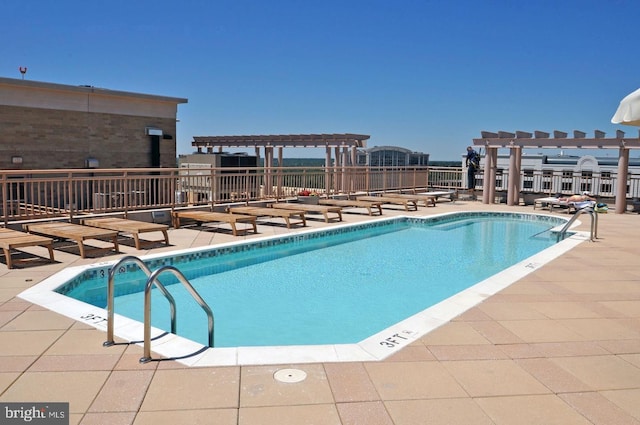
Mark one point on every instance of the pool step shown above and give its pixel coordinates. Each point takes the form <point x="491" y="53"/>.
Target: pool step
<point x="452" y="225"/>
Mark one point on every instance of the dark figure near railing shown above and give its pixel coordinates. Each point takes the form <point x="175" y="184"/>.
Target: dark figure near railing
<point x="472" y="163"/>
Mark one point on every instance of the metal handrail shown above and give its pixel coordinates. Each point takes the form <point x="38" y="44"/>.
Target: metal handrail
<point x="111" y="296"/>
<point x="594" y="223"/>
<point x="153" y="279"/>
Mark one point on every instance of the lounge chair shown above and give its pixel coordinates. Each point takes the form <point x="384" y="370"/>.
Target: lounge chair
<point x="322" y="209"/>
<point x="287" y="215"/>
<point x="553" y="202"/>
<point x="133" y="227"/>
<point x="547" y="202"/>
<point x="212" y="217"/>
<point x="410" y="204"/>
<point x="581" y="205"/>
<point x="448" y="194"/>
<point x="75" y="232"/>
<point x="352" y="203"/>
<point x="12" y="239"/>
<point x="428" y="200"/>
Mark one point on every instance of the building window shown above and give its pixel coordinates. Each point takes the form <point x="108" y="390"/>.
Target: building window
<point x="527" y="182"/>
<point x="586" y="181"/>
<point x="499" y="177"/>
<point x="567" y="181"/>
<point x="547" y="180"/>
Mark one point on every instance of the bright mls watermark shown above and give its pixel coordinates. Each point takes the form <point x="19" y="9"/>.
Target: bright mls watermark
<point x="34" y="413"/>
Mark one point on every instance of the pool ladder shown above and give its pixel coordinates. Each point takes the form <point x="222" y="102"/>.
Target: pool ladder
<point x="151" y="281"/>
<point x="594" y="223"/>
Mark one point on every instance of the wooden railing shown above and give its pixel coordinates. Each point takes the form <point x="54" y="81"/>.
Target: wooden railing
<point x="41" y="194"/>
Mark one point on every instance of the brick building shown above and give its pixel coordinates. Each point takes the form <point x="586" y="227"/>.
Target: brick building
<point x="51" y="126"/>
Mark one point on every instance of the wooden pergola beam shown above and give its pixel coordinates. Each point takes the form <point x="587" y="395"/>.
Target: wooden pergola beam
<point x="285" y="141"/>
<point x="560" y="143"/>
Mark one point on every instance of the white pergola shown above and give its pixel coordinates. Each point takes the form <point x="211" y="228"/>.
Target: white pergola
<point x="515" y="142"/>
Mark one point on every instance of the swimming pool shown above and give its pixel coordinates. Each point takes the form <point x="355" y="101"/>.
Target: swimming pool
<point x="382" y="282"/>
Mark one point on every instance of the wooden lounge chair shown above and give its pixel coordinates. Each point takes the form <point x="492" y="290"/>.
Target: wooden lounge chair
<point x="12" y="239"/>
<point x="428" y="200"/>
<point x="133" y="227"/>
<point x="209" y="217"/>
<point x="322" y="209"/>
<point x="410" y="204"/>
<point x="75" y="232"/>
<point x="271" y="212"/>
<point x="352" y="203"/>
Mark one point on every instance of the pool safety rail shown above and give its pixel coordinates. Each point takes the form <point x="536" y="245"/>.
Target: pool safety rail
<point x="151" y="281"/>
<point x="594" y="223"/>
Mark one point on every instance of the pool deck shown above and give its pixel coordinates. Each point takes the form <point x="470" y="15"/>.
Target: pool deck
<point x="560" y="346"/>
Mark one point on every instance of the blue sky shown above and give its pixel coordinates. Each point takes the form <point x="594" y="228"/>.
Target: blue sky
<point x="425" y="75"/>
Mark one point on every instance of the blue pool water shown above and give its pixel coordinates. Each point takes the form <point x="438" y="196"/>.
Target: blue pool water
<point x="334" y="287"/>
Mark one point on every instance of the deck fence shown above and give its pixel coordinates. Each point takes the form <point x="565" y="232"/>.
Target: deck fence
<point x="41" y="194"/>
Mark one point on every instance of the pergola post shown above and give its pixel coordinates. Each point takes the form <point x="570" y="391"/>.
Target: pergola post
<point x="338" y="175"/>
<point x="489" y="177"/>
<point x="621" y="190"/>
<point x="513" y="187"/>
<point x="268" y="163"/>
<point x="345" y="163"/>
<point x="327" y="169"/>
<point x="279" y="171"/>
<point x="492" y="176"/>
<point x="354" y="161"/>
<point x="486" y="179"/>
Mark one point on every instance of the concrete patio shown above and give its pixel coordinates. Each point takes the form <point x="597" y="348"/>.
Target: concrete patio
<point x="560" y="346"/>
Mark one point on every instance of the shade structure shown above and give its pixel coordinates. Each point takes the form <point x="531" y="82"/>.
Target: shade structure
<point x="628" y="112"/>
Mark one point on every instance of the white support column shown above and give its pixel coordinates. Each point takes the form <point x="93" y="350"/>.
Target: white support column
<point x="621" y="189"/>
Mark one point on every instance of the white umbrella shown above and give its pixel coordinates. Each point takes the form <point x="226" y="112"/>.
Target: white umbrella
<point x="628" y="112"/>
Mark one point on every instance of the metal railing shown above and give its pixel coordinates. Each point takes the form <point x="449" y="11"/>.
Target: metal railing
<point x="153" y="280"/>
<point x="603" y="184"/>
<point x="45" y="194"/>
<point x="117" y="268"/>
<point x="594" y="224"/>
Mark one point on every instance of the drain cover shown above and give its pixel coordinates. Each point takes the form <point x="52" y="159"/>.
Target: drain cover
<point x="290" y="376"/>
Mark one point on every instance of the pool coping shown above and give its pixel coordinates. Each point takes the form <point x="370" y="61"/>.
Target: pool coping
<point x="374" y="348"/>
